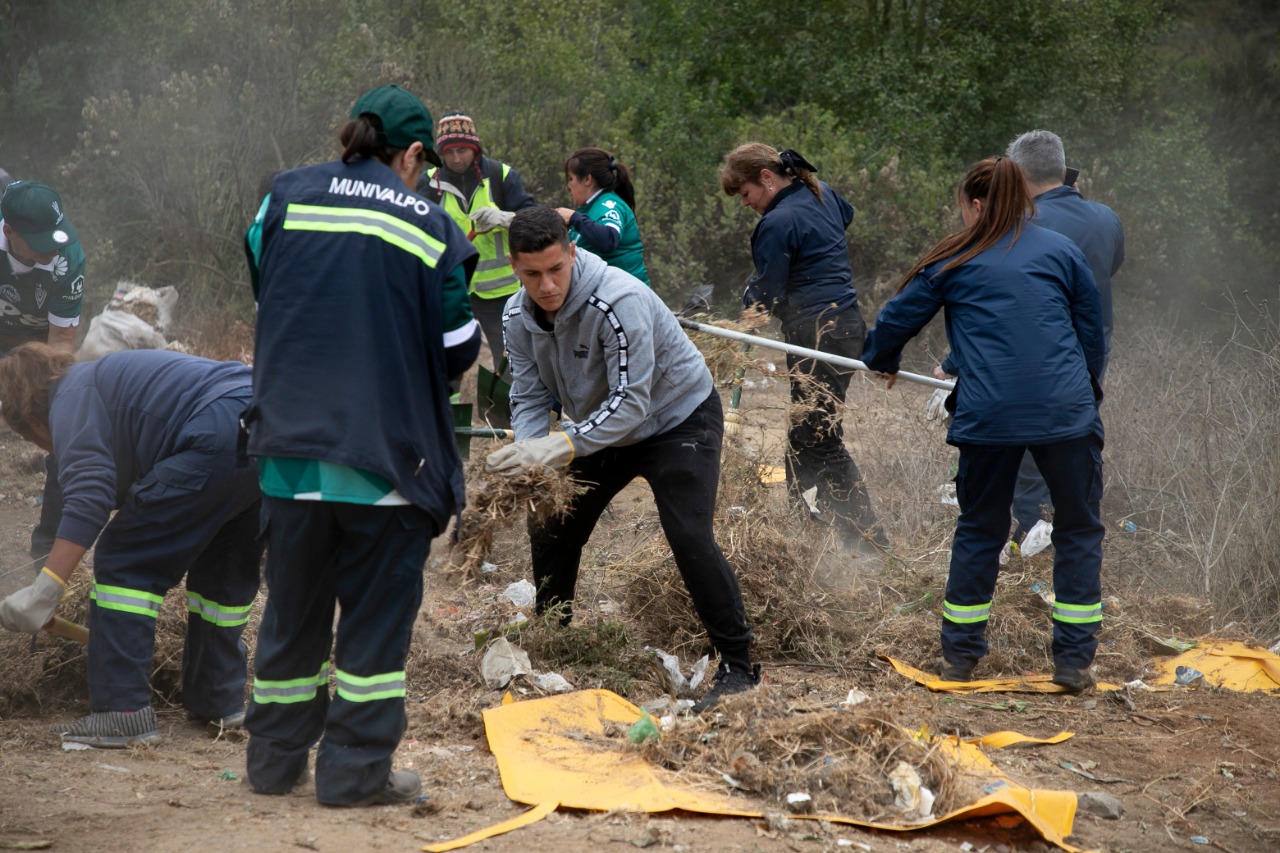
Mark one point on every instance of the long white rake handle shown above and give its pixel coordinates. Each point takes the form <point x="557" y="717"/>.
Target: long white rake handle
<point x="804" y="352"/>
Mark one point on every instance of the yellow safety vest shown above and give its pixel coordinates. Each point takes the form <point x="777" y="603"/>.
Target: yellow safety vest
<point x="494" y="278"/>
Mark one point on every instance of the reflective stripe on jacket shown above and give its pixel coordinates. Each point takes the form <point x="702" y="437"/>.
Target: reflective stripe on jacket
<point x="494" y="276"/>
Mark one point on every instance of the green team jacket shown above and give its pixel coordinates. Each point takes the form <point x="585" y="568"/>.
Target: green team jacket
<point x="33" y="297"/>
<point x="606" y="226"/>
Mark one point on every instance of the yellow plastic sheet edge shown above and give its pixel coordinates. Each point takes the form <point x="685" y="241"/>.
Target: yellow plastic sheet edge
<point x="1051" y="813"/>
<point x="533" y="815"/>
<point x="1226" y="665"/>
<point x="999" y="740"/>
<point x="1022" y="684"/>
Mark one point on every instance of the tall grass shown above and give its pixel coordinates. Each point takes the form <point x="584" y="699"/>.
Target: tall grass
<point x="1193" y="461"/>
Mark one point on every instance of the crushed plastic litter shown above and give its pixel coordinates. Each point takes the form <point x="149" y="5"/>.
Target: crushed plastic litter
<point x="1185" y="675"/>
<point x="521" y="593"/>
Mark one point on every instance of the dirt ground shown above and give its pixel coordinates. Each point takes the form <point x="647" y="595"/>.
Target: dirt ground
<point x="1197" y="764"/>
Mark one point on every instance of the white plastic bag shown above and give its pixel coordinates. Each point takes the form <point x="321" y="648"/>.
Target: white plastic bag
<point x="1037" y="539"/>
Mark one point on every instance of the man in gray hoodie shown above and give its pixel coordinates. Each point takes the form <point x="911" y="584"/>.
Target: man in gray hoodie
<point x="641" y="402"/>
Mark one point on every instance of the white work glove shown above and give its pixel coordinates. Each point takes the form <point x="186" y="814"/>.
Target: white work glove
<point x="30" y="608"/>
<point x="489" y="218"/>
<point x="937" y="406"/>
<point x="554" y="451"/>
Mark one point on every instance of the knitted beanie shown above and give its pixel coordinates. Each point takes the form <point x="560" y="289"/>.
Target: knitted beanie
<point x="457" y="129"/>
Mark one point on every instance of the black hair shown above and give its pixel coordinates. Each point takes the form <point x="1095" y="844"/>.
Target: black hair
<point x="363" y="137"/>
<point x="611" y="176"/>
<point x="536" y="228"/>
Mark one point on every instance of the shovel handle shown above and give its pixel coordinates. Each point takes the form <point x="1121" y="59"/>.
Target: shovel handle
<point x="60" y="627"/>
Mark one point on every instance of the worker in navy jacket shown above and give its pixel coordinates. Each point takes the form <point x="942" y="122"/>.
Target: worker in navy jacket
<point x="802" y="277"/>
<point x="363" y="320"/>
<point x="1025" y="328"/>
<point x="1097" y="231"/>
<point x="151" y="435"/>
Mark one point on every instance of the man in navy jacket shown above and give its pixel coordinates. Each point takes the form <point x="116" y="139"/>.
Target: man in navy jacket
<point x="1097" y="231"/>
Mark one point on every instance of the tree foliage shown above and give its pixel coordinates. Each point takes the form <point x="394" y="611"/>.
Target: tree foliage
<point x="158" y="121"/>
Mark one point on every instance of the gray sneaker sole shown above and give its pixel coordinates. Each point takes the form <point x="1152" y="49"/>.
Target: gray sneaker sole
<point x="113" y="741"/>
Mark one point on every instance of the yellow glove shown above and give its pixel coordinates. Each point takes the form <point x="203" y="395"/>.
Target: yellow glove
<point x="554" y="451"/>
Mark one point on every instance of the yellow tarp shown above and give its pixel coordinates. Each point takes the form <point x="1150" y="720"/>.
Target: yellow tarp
<point x="1226" y="665"/>
<point x="1229" y="666"/>
<point x="1017" y="684"/>
<point x="554" y="752"/>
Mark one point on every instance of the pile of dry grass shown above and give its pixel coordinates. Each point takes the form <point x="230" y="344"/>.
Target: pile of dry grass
<point x="46" y="671"/>
<point x="780" y="559"/>
<point x="495" y="503"/>
<point x="842" y="759"/>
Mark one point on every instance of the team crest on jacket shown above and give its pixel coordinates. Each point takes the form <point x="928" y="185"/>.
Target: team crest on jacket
<point x="41" y="294"/>
<point x="59" y="266"/>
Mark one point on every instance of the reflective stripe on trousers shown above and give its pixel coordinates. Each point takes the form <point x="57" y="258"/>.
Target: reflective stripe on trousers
<point x="965" y="613"/>
<point x="222" y="615"/>
<point x="1077" y="614"/>
<point x="126" y="600"/>
<point x="356" y="688"/>
<point x="292" y="690"/>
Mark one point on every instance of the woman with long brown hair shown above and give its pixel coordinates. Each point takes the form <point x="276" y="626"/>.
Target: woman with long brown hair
<point x="803" y="277"/>
<point x="1024" y="321"/>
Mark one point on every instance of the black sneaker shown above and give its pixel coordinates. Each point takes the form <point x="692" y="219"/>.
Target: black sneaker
<point x="403" y="786"/>
<point x="948" y="671"/>
<point x="1076" y="680"/>
<point x="728" y="682"/>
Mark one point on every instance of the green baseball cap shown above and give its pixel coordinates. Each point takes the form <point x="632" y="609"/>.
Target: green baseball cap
<point x="405" y="119"/>
<point x="35" y="212"/>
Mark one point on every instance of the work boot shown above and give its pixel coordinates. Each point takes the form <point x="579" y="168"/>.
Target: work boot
<point x="948" y="671"/>
<point x="728" y="681"/>
<point x="403" y="786"/>
<point x="111" y="729"/>
<point x="1075" y="679"/>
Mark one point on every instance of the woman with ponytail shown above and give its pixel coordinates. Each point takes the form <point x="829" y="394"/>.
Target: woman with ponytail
<point x="1024" y="321"/>
<point x="803" y="277"/>
<point x="605" y="221"/>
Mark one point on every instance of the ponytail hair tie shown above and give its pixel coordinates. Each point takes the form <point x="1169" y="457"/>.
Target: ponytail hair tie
<point x="613" y="165"/>
<point x="792" y="160"/>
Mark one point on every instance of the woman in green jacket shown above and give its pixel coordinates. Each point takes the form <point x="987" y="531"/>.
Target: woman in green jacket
<point x="605" y="222"/>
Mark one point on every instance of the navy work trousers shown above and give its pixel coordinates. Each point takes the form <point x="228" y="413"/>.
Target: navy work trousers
<point x="1030" y="497"/>
<point x="682" y="467"/>
<point x="984" y="486"/>
<point x="366" y="561"/>
<point x="816" y="455"/>
<point x="194" y="514"/>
